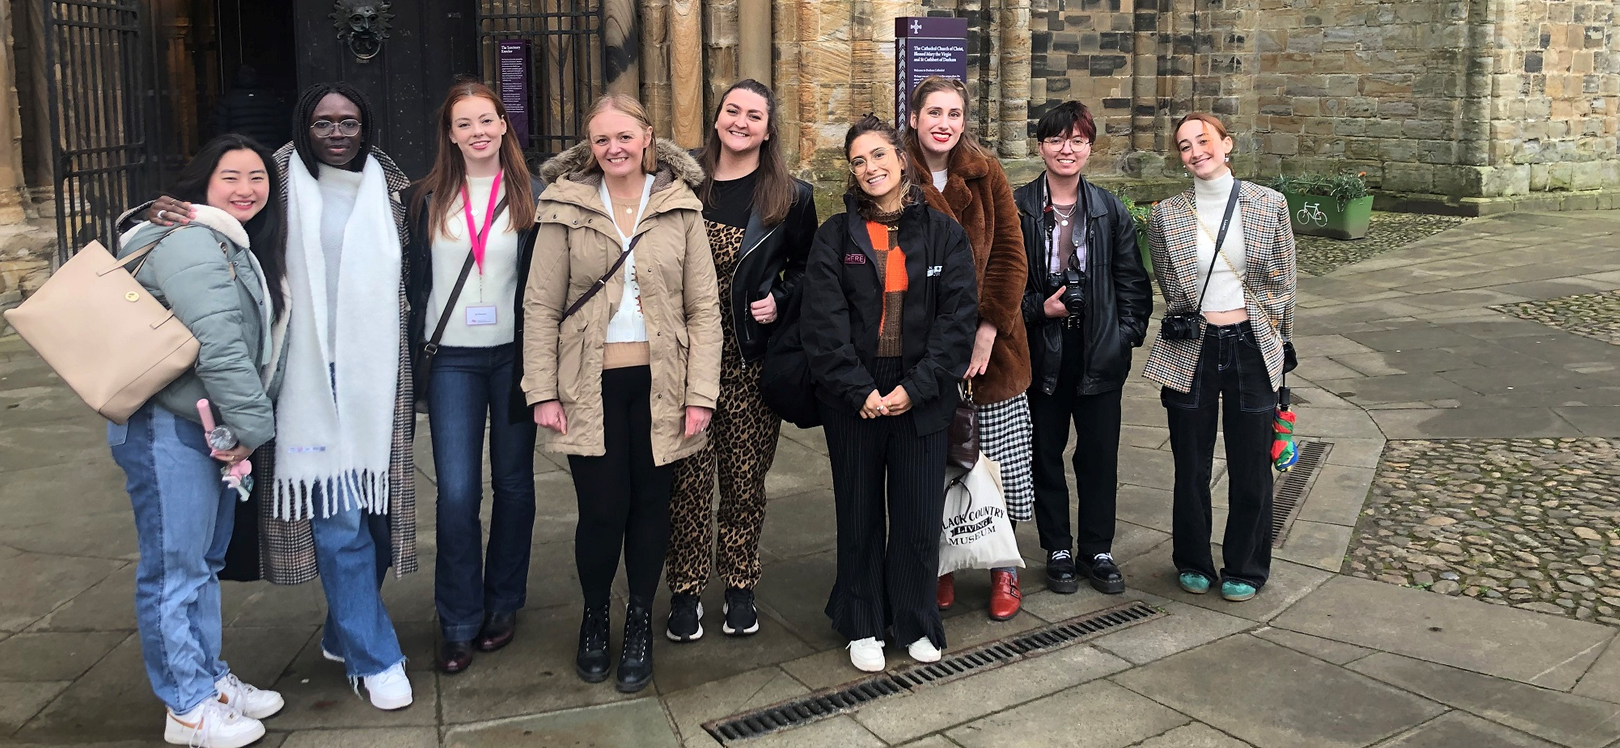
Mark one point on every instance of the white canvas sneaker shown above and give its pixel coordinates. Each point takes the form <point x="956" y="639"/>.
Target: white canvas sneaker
<point x="390" y="689"/>
<point x="923" y="650"/>
<point x="867" y="654"/>
<point x="243" y="697"/>
<point x="211" y="724"/>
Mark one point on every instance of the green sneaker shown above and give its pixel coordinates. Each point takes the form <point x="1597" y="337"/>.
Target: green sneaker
<point x="1193" y="582"/>
<point x="1237" y="592"/>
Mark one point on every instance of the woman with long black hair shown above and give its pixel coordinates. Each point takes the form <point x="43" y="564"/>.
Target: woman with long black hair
<point x="889" y="314"/>
<point x="221" y="275"/>
<point x="760" y="221"/>
<point x="471" y="241"/>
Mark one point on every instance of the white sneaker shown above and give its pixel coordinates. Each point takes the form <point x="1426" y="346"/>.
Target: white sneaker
<point x="254" y="702"/>
<point x="867" y="654"/>
<point x="211" y="724"/>
<point x="389" y="689"/>
<point x="923" y="650"/>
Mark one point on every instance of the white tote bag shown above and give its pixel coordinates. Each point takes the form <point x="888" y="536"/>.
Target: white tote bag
<point x="976" y="533"/>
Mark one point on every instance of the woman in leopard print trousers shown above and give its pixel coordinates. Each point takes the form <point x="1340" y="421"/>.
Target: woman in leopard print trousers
<point x="760" y="223"/>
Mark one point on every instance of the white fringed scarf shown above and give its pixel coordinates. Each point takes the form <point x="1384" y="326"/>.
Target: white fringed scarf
<point x="335" y="415"/>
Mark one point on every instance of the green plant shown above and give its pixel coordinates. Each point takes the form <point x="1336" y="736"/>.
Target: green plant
<point x="1139" y="213"/>
<point x="1342" y="187"/>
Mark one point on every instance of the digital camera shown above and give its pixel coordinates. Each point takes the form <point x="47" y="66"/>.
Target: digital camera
<point x="1073" y="283"/>
<point x="1179" y="327"/>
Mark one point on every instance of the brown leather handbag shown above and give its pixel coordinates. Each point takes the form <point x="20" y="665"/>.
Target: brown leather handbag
<point x="962" y="449"/>
<point x="100" y="330"/>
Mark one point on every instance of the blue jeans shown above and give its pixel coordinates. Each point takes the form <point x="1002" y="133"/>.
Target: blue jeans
<point x="183" y="520"/>
<point x="468" y="385"/>
<point x="352" y="553"/>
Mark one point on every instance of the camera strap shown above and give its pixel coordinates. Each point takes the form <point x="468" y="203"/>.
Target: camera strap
<point x="1220" y="238"/>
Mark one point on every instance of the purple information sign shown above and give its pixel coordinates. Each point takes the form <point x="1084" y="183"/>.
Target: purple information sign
<point x="512" y="65"/>
<point x="924" y="47"/>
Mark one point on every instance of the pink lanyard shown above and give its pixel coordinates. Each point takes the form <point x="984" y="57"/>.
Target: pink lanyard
<point x="479" y="237"/>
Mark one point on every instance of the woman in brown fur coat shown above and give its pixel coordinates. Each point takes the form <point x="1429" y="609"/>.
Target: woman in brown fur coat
<point x="969" y="185"/>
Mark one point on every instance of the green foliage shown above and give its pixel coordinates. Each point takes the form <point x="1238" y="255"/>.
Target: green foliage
<point x="1342" y="187"/>
<point x="1139" y="213"/>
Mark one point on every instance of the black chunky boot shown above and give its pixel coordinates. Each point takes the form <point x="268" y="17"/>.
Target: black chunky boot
<point x="636" y="664"/>
<point x="592" y="660"/>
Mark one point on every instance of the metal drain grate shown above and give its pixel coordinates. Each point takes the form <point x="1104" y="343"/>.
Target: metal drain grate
<point x="1293" y="487"/>
<point x="849" y="697"/>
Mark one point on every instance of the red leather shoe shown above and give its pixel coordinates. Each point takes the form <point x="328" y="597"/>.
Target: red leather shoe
<point x="946" y="593"/>
<point x="1005" y="600"/>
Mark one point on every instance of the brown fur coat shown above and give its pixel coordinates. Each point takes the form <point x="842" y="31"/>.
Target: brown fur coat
<point x="979" y="197"/>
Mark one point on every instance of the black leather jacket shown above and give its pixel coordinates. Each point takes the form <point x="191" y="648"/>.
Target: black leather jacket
<point x="772" y="262"/>
<point x="419" y="285"/>
<point x="1119" y="296"/>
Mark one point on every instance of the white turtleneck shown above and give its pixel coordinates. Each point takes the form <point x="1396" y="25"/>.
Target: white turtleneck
<point x="1226" y="285"/>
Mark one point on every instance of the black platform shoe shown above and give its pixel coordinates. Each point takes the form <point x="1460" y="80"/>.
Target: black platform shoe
<point x="636" y="663"/>
<point x="591" y="662"/>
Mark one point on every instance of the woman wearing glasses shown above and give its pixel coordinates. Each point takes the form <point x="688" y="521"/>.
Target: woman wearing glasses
<point x="969" y="185"/>
<point x="1081" y="336"/>
<point x="888" y="321"/>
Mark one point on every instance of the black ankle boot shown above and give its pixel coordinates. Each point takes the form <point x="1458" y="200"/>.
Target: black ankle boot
<point x="592" y="660"/>
<point x="636" y="664"/>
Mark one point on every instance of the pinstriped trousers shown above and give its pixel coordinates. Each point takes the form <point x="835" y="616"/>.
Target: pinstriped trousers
<point x="883" y="470"/>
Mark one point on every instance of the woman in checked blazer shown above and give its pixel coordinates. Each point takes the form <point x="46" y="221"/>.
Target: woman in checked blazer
<point x="1238" y="307"/>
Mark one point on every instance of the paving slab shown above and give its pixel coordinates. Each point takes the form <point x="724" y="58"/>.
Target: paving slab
<point x="929" y="710"/>
<point x="109" y="605"/>
<point x="1349" y="452"/>
<point x="1315" y="544"/>
<point x="19" y="702"/>
<point x="842" y="732"/>
<point x="1096" y="715"/>
<point x="1328" y="650"/>
<point x="1335" y="422"/>
<point x="640" y="723"/>
<point x="796" y="469"/>
<point x="1323" y="368"/>
<point x="796" y="596"/>
<point x="35" y="495"/>
<point x="1454" y="729"/>
<point x="1519" y="645"/>
<point x="1338" y="494"/>
<point x="319" y="696"/>
<point x="681" y="666"/>
<point x="801" y="524"/>
<point x="55" y="656"/>
<point x="1494" y="423"/>
<point x="39" y="583"/>
<point x="1187" y="627"/>
<point x="1328" y="345"/>
<point x="1195" y="735"/>
<point x="722" y="698"/>
<point x="1302" y="701"/>
<point x="932" y="741"/>
<point x="1592" y="420"/>
<point x="64" y="443"/>
<point x="1396" y="388"/>
<point x="1144" y="506"/>
<point x="1289" y="582"/>
<point x="1602" y="681"/>
<point x="1152" y="468"/>
<point x="387" y="737"/>
<point x="534" y="674"/>
<point x="1565" y="719"/>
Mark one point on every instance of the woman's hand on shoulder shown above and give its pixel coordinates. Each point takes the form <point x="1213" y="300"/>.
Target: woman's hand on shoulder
<point x="169" y="211"/>
<point x="549" y="414"/>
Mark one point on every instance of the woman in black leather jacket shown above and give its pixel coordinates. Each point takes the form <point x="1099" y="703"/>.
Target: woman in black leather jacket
<point x="760" y="223"/>
<point x="1080" y="351"/>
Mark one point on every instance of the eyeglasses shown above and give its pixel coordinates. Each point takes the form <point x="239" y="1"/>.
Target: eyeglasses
<point x="880" y="157"/>
<point x="323" y="128"/>
<point x="1078" y="144"/>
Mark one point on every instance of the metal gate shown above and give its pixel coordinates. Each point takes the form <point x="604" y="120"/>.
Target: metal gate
<point x="567" y="63"/>
<point x="103" y="115"/>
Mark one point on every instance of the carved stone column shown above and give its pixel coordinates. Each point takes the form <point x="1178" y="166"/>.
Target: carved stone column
<point x="720" y="42"/>
<point x="1015" y="78"/>
<point x="686" y="72"/>
<point x="11" y="166"/>
<point x="754" y="40"/>
<point x="619" y="30"/>
<point x="655" y="63"/>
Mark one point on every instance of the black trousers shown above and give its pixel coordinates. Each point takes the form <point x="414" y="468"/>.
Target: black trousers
<point x="882" y="466"/>
<point x="1096" y="457"/>
<point x="623" y="498"/>
<point x="1231" y="382"/>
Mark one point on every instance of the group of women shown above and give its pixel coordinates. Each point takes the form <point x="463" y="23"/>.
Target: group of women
<point x="616" y="307"/>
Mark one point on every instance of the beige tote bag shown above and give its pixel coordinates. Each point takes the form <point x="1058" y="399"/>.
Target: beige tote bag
<point x="109" y="339"/>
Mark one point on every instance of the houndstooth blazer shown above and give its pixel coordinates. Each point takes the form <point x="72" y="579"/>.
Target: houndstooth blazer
<point x="287" y="549"/>
<point x="1269" y="279"/>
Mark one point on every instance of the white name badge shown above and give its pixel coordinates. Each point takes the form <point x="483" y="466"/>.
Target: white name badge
<point x="481" y="315"/>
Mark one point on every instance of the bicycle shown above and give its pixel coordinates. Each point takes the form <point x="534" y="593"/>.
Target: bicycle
<point x="1311" y="214"/>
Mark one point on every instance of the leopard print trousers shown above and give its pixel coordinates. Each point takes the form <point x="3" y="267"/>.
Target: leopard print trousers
<point x="742" y="444"/>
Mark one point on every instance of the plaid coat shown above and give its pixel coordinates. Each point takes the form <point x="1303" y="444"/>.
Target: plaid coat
<point x="287" y="549"/>
<point x="1269" y="279"/>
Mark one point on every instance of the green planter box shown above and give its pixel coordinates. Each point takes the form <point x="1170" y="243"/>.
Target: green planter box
<point x="1320" y="215"/>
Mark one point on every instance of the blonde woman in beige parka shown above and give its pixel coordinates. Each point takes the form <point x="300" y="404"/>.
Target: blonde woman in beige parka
<point x="626" y="384"/>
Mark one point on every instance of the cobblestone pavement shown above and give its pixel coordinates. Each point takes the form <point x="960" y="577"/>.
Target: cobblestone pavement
<point x="1389" y="231"/>
<point x="1522" y="522"/>
<point x="1595" y="315"/>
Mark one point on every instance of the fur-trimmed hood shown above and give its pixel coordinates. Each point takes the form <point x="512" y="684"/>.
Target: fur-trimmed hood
<point x="673" y="163"/>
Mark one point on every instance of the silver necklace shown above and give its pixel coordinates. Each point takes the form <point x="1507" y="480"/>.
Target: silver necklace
<point x="1063" y="218"/>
